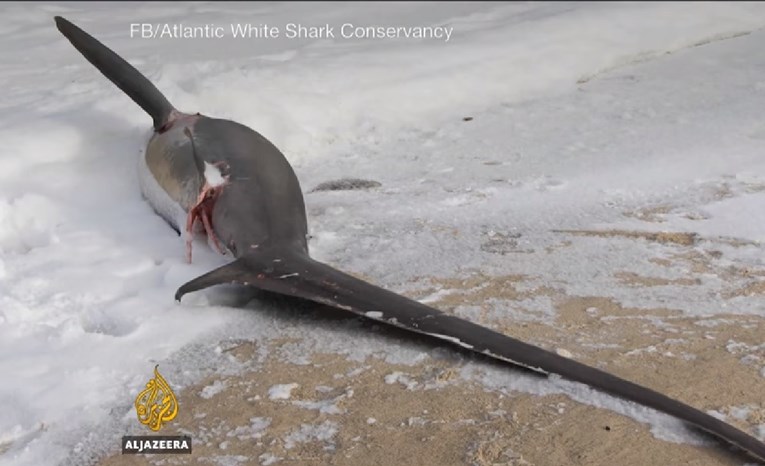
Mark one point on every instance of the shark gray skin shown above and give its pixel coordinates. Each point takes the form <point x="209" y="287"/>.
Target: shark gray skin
<point x="248" y="198"/>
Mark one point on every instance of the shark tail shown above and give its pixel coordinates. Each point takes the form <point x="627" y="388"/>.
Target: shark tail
<point x="300" y="276"/>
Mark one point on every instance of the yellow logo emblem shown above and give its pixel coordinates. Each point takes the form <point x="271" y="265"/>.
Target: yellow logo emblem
<point x="156" y="404"/>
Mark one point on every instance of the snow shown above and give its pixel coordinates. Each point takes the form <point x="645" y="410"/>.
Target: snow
<point x="722" y="218"/>
<point x="212" y="389"/>
<point x="401" y="378"/>
<point x="324" y="406"/>
<point x="253" y="431"/>
<point x="323" y="432"/>
<point x="268" y="459"/>
<point x="281" y="391"/>
<point x="580" y="112"/>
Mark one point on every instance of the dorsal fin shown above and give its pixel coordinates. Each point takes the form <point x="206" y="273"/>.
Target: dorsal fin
<point x="120" y="72"/>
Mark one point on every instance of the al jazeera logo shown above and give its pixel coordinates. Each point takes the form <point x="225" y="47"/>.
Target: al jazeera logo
<point x="155" y="406"/>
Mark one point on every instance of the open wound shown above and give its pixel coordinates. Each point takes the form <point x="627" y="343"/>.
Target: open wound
<point x="202" y="210"/>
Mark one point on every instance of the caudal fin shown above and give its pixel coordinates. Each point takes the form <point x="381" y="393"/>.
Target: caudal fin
<point x="120" y="72"/>
<point x="300" y="276"/>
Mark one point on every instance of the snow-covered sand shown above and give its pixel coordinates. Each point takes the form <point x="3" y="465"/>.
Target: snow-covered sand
<point x="582" y="112"/>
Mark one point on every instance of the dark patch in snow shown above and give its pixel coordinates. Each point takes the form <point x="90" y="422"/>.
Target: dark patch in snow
<point x="346" y="184"/>
<point x="501" y="243"/>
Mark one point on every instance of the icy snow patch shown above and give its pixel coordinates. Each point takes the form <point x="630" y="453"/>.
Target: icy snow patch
<point x="282" y="391"/>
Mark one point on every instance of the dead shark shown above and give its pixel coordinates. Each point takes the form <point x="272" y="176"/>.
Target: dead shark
<point x="230" y="181"/>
